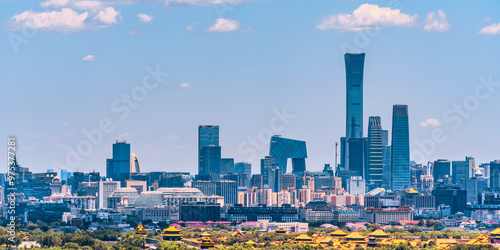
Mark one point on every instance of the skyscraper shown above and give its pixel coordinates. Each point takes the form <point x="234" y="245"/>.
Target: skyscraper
<point x="209" y="151"/>
<point x="118" y="168"/>
<point x="400" y="148"/>
<point x="243" y="168"/>
<point x="354" y="67"/>
<point x="375" y="152"/>
<point x="281" y="149"/>
<point x="386" y="158"/>
<point x="227" y="166"/>
<point x="441" y="169"/>
<point x="461" y="171"/>
<point x="495" y="174"/>
<point x="353" y="147"/>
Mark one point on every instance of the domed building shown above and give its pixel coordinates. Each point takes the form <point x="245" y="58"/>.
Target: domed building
<point x="149" y="199"/>
<point x="130" y="193"/>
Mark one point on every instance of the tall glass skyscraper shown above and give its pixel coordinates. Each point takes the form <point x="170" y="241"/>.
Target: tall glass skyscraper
<point x="400" y="148"/>
<point x="375" y="152"/>
<point x="353" y="147"/>
<point x="209" y="151"/>
<point x="354" y="67"/>
<point x="282" y="149"/>
<point x="118" y="168"/>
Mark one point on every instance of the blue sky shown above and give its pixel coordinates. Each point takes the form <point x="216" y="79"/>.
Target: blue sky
<point x="237" y="63"/>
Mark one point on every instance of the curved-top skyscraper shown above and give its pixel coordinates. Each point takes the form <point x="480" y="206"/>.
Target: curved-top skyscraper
<point x="354" y="67"/>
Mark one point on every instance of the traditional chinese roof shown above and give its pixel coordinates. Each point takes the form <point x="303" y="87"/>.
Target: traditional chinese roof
<point x="495" y="232"/>
<point x="171" y="229"/>
<point x="379" y="234"/>
<point x="236" y="233"/>
<point x="338" y="233"/>
<point x="205" y="234"/>
<point x="355" y="236"/>
<point x="303" y="237"/>
<point x="250" y="242"/>
<point x="413" y="191"/>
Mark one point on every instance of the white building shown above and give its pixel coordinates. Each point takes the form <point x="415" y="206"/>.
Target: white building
<point x="106" y="188"/>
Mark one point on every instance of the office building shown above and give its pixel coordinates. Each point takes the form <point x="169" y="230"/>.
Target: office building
<point x="118" y="168"/>
<point x="400" y="148"/>
<point x="441" y="169"/>
<point x="225" y="188"/>
<point x="258" y="181"/>
<point x="356" y="185"/>
<point x="282" y="149"/>
<point x="243" y="168"/>
<point x="199" y="211"/>
<point x="106" y="189"/>
<point x="494" y="167"/>
<point x="272" y="214"/>
<point x="454" y="197"/>
<point x="209" y="151"/>
<point x="227" y="166"/>
<point x="354" y="67"/>
<point x="461" y="171"/>
<point x="375" y="152"/>
<point x="78" y="178"/>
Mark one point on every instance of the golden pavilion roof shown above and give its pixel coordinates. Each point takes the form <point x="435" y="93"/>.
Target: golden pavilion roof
<point x="379" y="234"/>
<point x="303" y="237"/>
<point x="338" y="233"/>
<point x="355" y="236"/>
<point x="496" y="232"/>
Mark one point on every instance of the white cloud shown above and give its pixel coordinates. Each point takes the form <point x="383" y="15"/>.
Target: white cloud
<point x="100" y="4"/>
<point x="204" y="2"/>
<point x="66" y="20"/>
<point x="145" y="18"/>
<point x="190" y="27"/>
<point x="89" y="58"/>
<point x="493" y="29"/>
<point x="367" y="16"/>
<point x="224" y="25"/>
<point x="431" y="122"/>
<point x="78" y="4"/>
<point x="436" y="22"/>
<point x="185" y="85"/>
<point x="55" y="3"/>
<point x="108" y="16"/>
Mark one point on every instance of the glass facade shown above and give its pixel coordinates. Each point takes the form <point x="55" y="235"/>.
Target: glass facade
<point x="375" y="152"/>
<point x="282" y="149"/>
<point x="118" y="168"/>
<point x="227" y="166"/>
<point x="400" y="151"/>
<point x="354" y="67"/>
<point x="441" y="168"/>
<point x="243" y="168"/>
<point x="209" y="151"/>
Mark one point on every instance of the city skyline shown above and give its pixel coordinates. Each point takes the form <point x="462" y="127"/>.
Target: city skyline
<point x="246" y="97"/>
